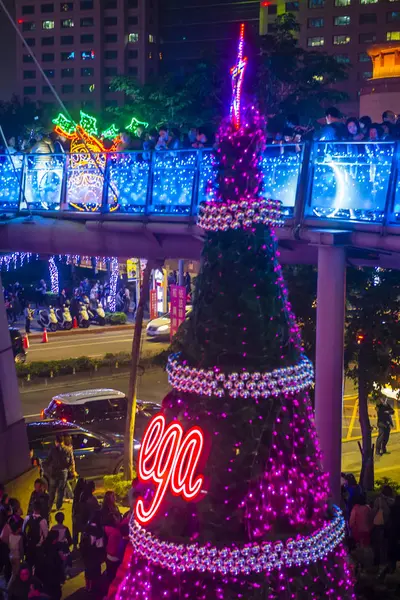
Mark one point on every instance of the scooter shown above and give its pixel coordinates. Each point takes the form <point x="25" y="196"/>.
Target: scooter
<point x="97" y="315"/>
<point x="48" y="320"/>
<point x="83" y="319"/>
<point x="64" y="317"/>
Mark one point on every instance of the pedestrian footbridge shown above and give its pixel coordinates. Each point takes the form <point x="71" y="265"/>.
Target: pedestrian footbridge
<point x="145" y="204"/>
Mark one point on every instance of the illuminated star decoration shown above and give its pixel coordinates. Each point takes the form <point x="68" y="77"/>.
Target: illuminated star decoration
<point x="237" y="74"/>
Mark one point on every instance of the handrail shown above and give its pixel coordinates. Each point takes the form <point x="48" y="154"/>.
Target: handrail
<point x="324" y="179"/>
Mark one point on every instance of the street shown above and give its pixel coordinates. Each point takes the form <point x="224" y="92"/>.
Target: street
<point x="89" y="344"/>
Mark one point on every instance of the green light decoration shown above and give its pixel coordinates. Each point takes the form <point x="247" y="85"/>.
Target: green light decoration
<point x="64" y="124"/>
<point x="135" y="123"/>
<point x="88" y="123"/>
<point x="110" y="133"/>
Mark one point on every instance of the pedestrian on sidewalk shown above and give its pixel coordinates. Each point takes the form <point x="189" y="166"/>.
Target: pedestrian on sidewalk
<point x="93" y="552"/>
<point x="385" y="424"/>
<point x="64" y="540"/>
<point x="72" y="474"/>
<point x="35" y="530"/>
<point x="77" y="524"/>
<point x="361" y="521"/>
<point x="28" y="313"/>
<point x="109" y="509"/>
<point x="57" y="465"/>
<point x="40" y="495"/>
<point x="114" y="539"/>
<point x="16" y="546"/>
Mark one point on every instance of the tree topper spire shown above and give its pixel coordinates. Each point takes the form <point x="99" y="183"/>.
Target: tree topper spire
<point x="237" y="74"/>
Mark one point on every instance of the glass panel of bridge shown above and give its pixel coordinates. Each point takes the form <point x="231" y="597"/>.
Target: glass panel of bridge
<point x="207" y="177"/>
<point x="43" y="181"/>
<point x="280" y="166"/>
<point x="84" y="181"/>
<point x="128" y="177"/>
<point x="173" y="181"/>
<point x="10" y="181"/>
<point x="350" y="180"/>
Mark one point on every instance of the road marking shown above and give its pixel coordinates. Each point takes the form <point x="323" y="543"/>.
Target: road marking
<point x="45" y="347"/>
<point x="352" y="420"/>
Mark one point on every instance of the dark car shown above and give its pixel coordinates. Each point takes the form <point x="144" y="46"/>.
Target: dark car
<point x="17" y="345"/>
<point x="95" y="454"/>
<point x="102" y="410"/>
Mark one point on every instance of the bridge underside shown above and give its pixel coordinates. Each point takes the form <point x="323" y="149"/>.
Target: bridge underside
<point x="161" y="240"/>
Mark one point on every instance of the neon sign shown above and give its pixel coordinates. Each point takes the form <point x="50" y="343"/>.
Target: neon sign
<point x="169" y="458"/>
<point x="237" y="74"/>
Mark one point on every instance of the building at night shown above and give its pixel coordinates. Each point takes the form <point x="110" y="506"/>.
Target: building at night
<point x="192" y="29"/>
<point x="343" y="28"/>
<point x="82" y="45"/>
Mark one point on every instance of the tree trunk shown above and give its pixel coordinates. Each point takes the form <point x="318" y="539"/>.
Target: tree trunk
<point x="367" y="451"/>
<point x="132" y="395"/>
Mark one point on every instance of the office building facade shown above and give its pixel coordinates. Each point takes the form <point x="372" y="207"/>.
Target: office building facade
<point x="81" y="45"/>
<point x="343" y="28"/>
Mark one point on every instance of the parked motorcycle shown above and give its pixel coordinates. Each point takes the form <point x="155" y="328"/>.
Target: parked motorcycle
<point x="64" y="317"/>
<point x="48" y="319"/>
<point x="83" y="319"/>
<point x="97" y="314"/>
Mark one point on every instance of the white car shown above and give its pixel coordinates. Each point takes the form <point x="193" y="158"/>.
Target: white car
<point x="160" y="328"/>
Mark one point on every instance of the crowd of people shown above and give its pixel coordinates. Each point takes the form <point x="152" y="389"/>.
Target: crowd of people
<point x="38" y="550"/>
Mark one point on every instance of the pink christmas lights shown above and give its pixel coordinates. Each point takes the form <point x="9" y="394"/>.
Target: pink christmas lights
<point x="237" y="75"/>
<point x="218" y="216"/>
<point x="214" y="382"/>
<point x="169" y="458"/>
<point x="251" y="558"/>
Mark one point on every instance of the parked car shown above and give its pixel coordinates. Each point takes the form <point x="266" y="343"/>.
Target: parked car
<point x="95" y="454"/>
<point x="17" y="345"/>
<point x="160" y="328"/>
<point x="101" y="410"/>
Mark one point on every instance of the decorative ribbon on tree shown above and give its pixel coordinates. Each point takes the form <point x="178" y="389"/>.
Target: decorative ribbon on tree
<point x="263" y="528"/>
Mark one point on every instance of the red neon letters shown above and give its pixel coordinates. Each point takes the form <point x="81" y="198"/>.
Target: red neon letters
<point x="169" y="458"/>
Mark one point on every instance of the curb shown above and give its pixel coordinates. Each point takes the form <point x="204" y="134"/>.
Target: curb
<point x="80" y="331"/>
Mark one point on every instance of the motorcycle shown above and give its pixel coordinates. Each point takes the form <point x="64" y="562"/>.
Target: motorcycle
<point x="97" y="315"/>
<point x="48" y="319"/>
<point x="64" y="317"/>
<point x="83" y="318"/>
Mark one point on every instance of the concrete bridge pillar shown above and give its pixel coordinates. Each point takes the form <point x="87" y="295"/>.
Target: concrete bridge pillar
<point x="329" y="377"/>
<point x="14" y="450"/>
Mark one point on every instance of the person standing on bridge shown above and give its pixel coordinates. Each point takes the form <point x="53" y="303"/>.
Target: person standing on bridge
<point x="385" y="424"/>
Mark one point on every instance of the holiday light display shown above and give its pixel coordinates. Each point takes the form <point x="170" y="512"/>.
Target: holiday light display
<point x="7" y="259"/>
<point x="264" y="528"/>
<point x="237" y="74"/>
<point x="53" y="270"/>
<point x="113" y="284"/>
<point x="135" y="123"/>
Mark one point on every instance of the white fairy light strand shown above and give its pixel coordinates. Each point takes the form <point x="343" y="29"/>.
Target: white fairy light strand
<point x="213" y="382"/>
<point x="252" y="558"/>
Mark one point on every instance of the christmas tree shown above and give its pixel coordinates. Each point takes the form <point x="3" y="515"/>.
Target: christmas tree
<point x="233" y="502"/>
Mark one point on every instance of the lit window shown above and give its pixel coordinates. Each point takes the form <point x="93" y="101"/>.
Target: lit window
<point x="160" y="55"/>
<point x="342" y="2"/>
<point x="315" y="41"/>
<point x="344" y="59"/>
<point x="393" y="16"/>
<point x="316" y="3"/>
<point x="393" y="36"/>
<point x="339" y="40"/>
<point x="150" y="55"/>
<point x="67" y="56"/>
<point x="318" y="22"/>
<point x="28" y="26"/>
<point x="47" y="24"/>
<point x="368" y="1"/>
<point x="87" y="55"/>
<point x="133" y="37"/>
<point x="367" y="38"/>
<point x="67" y="23"/>
<point x="342" y="20"/>
<point x="87" y="87"/>
<point x="318" y="78"/>
<point x="151" y="38"/>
